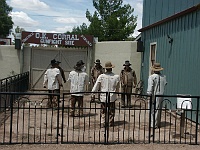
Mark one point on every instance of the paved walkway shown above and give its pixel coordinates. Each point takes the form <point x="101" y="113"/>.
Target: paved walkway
<point x="101" y="147"/>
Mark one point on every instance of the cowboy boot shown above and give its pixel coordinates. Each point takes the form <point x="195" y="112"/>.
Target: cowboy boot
<point x="71" y="113"/>
<point x="123" y="101"/>
<point x="129" y="104"/>
<point x="123" y="104"/>
<point x="49" y="104"/>
<point x="80" y="112"/>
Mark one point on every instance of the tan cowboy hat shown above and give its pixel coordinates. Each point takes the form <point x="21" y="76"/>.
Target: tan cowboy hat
<point x="108" y="65"/>
<point x="156" y="67"/>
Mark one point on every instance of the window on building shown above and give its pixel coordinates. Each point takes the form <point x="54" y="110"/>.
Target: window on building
<point x="152" y="56"/>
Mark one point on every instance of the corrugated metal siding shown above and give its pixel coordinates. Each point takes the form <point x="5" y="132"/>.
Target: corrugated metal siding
<point x="156" y="10"/>
<point x="181" y="58"/>
<point x="171" y="7"/>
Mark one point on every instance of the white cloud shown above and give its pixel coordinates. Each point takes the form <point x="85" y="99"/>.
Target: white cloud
<point x="77" y="1"/>
<point x="66" y="20"/>
<point x="29" y="4"/>
<point x="58" y="30"/>
<point x="56" y="16"/>
<point x="139" y="8"/>
<point x="64" y="29"/>
<point x="137" y="5"/>
<point x="22" y="20"/>
<point x="40" y="30"/>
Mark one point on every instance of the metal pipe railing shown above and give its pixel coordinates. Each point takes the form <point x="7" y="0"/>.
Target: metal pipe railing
<point x="16" y="83"/>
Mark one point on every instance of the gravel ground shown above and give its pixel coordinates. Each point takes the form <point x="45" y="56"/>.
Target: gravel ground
<point x="100" y="147"/>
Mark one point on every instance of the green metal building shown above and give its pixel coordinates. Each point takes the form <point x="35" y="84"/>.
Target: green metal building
<point x="171" y="36"/>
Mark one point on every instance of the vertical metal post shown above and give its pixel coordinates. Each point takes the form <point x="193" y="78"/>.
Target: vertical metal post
<point x="28" y="81"/>
<point x="106" y="122"/>
<point x="6" y="90"/>
<point x="34" y="133"/>
<point x="58" y="99"/>
<point x="1" y="96"/>
<point x="107" y="110"/>
<point x="41" y="122"/>
<point x="154" y="110"/>
<point x="18" y="82"/>
<point x="108" y="117"/>
<point x="182" y="123"/>
<point x="150" y="108"/>
<point x="62" y="119"/>
<point x="11" y="117"/>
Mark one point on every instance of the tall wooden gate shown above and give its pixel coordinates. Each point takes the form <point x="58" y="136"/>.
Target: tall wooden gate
<point x="42" y="56"/>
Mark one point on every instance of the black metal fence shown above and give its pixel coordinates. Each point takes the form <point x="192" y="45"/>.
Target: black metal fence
<point x="16" y="83"/>
<point x="29" y="120"/>
<point x="179" y="120"/>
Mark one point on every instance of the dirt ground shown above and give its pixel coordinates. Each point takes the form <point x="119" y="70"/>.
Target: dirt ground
<point x="100" y="147"/>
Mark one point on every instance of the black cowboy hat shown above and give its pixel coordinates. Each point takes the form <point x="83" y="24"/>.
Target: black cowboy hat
<point x="97" y="61"/>
<point x="53" y="61"/>
<point x="78" y="65"/>
<point x="127" y="63"/>
<point x="81" y="62"/>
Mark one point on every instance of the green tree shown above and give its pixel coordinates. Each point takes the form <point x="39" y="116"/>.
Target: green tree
<point x="6" y="22"/>
<point x="96" y="27"/>
<point x="116" y="20"/>
<point x="82" y="29"/>
<point x="18" y="30"/>
<point x="112" y="21"/>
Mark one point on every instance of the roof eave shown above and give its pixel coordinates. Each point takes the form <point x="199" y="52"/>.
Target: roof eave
<point x="182" y="13"/>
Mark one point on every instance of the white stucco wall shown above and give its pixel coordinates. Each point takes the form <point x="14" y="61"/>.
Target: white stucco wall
<point x="26" y="61"/>
<point x="118" y="52"/>
<point x="9" y="60"/>
<point x="115" y="51"/>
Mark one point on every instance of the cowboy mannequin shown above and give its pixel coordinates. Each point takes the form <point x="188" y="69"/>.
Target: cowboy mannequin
<point x="156" y="86"/>
<point x="61" y="71"/>
<point x="107" y="82"/>
<point x="127" y="77"/>
<point x="83" y="65"/>
<point x="78" y="80"/>
<point x="53" y="82"/>
<point x="96" y="71"/>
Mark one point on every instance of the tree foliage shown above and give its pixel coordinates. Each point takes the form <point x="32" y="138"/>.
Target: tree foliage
<point x="83" y="29"/>
<point x="112" y="21"/>
<point x="6" y="22"/>
<point x="18" y="30"/>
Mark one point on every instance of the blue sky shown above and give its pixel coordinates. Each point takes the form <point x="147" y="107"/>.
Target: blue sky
<point x="58" y="16"/>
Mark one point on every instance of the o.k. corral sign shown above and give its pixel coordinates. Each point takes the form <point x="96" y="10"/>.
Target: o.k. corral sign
<point x="57" y="39"/>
